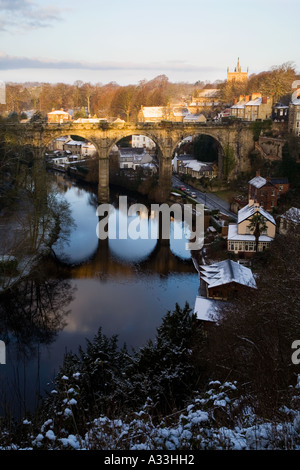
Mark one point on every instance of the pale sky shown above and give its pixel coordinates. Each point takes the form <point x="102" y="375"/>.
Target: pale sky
<point x="126" y="41"/>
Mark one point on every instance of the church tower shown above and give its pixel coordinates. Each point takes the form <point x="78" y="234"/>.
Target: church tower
<point x="237" y="75"/>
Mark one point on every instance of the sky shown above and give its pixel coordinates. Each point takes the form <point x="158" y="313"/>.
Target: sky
<point x="126" y="41"/>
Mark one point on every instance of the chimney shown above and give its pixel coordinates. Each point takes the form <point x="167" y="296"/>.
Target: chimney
<point x="235" y="101"/>
<point x="241" y="98"/>
<point x="257" y="172"/>
<point x="264" y="100"/>
<point x="247" y="98"/>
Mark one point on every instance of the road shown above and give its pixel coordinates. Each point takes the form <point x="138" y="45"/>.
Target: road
<point x="210" y="200"/>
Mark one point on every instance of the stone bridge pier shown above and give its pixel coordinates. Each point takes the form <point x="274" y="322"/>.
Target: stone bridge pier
<point x="165" y="148"/>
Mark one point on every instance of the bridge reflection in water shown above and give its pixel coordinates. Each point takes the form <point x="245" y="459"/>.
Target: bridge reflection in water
<point x="110" y="259"/>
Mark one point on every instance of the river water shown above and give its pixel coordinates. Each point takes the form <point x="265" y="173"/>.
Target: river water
<point x="124" y="286"/>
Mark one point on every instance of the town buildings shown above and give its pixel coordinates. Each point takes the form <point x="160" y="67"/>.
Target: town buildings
<point x="252" y="107"/>
<point x="280" y="113"/>
<point x="187" y="164"/>
<point x="219" y="283"/>
<point x="266" y="191"/>
<point x="207" y="98"/>
<point x="294" y="113"/>
<point x="241" y="240"/>
<point x="58" y="116"/>
<point x="170" y="113"/>
<point x="198" y="169"/>
<point x="142" y="141"/>
<point x="66" y="144"/>
<point x="133" y="158"/>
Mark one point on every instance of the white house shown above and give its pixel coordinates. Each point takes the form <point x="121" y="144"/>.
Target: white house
<point x="142" y="141"/>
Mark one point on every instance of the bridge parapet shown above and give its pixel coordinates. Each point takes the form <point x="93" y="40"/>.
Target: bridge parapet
<point x="235" y="140"/>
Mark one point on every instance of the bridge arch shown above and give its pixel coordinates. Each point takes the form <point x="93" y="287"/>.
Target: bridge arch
<point x="236" y="139"/>
<point x="220" y="146"/>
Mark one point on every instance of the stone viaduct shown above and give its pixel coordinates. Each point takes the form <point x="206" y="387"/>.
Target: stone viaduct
<point x="235" y="141"/>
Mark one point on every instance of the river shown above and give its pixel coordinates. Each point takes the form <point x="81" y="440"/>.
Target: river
<point x="124" y="286"/>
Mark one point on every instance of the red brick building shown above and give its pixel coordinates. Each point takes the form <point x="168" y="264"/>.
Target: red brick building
<point x="266" y="191"/>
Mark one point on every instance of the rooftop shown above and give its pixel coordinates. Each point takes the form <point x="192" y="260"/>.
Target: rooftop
<point x="258" y="181"/>
<point x="248" y="211"/>
<point x="225" y="272"/>
<point x="235" y="236"/>
<point x="198" y="166"/>
<point x="206" y="309"/>
<point x="153" y="111"/>
<point x="293" y="214"/>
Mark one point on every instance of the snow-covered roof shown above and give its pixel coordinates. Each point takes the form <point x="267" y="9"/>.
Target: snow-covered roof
<point x="88" y="145"/>
<point x="239" y="105"/>
<point x="256" y="102"/>
<point x="88" y="120"/>
<point x="235" y="236"/>
<point x="225" y="272"/>
<point x="197" y="166"/>
<point x="195" y="117"/>
<point x="280" y="106"/>
<point x="293" y="214"/>
<point x="58" y="111"/>
<point x="248" y="211"/>
<point x="63" y="138"/>
<point x="118" y="121"/>
<point x="258" y="181"/>
<point x="208" y="92"/>
<point x="153" y="111"/>
<point x="206" y="309"/>
<point x="75" y="142"/>
<point x="185" y="156"/>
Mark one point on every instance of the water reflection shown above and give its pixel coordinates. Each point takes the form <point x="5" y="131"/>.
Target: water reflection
<point x="83" y="241"/>
<point x="31" y="317"/>
<point x="124" y="286"/>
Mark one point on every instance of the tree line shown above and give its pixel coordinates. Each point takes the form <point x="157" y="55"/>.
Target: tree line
<point x="114" y="100"/>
